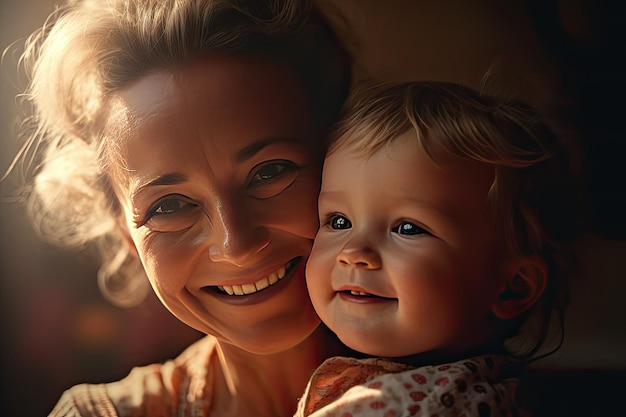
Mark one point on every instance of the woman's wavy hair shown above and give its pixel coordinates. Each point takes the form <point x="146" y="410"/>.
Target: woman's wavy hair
<point x="534" y="195"/>
<point x="91" y="48"/>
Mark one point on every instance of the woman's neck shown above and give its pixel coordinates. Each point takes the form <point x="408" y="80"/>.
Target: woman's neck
<point x="270" y="385"/>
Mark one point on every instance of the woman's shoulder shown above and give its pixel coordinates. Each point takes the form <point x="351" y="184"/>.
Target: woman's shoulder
<point x="180" y="386"/>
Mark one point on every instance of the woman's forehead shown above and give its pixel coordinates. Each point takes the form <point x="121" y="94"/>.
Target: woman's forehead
<point x="215" y="105"/>
<point x="150" y="94"/>
<point x="215" y="77"/>
<point x="233" y="85"/>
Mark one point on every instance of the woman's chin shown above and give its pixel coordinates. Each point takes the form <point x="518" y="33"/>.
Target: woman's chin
<point x="272" y="339"/>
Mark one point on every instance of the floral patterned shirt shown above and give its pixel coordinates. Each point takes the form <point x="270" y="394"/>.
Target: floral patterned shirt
<point x="481" y="386"/>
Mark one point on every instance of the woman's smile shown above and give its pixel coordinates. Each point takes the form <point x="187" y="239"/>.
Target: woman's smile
<point x="270" y="286"/>
<point x="260" y="285"/>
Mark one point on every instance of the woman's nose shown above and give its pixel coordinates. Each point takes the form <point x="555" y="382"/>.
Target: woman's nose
<point x="236" y="237"/>
<point x="359" y="256"/>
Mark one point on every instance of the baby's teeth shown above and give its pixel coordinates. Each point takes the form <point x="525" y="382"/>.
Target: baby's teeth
<point x="281" y="272"/>
<point x="228" y="289"/>
<point x="264" y="283"/>
<point x="272" y="278"/>
<point x="248" y="288"/>
<point x="237" y="290"/>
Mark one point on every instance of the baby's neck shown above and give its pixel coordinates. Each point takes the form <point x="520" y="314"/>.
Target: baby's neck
<point x="442" y="357"/>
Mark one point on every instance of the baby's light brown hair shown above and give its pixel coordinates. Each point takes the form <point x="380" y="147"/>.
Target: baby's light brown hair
<point x="533" y="198"/>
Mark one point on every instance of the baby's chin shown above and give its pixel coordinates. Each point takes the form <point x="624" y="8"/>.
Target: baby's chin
<point x="383" y="348"/>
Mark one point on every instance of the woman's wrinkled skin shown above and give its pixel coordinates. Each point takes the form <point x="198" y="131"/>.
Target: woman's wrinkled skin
<point x="217" y="167"/>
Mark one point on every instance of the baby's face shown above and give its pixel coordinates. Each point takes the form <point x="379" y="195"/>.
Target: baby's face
<point x="407" y="259"/>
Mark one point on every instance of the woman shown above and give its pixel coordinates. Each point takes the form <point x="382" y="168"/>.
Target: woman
<point x="188" y="135"/>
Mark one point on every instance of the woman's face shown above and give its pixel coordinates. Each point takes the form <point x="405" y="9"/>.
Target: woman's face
<point x="217" y="167"/>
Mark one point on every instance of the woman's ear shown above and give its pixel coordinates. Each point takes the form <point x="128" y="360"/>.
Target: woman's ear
<point x="128" y="240"/>
<point x="524" y="283"/>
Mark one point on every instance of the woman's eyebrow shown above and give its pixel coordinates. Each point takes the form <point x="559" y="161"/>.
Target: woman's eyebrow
<point x="254" y="148"/>
<point x="166" y="179"/>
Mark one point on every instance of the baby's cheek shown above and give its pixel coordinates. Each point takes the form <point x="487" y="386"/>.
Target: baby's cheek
<point x="319" y="268"/>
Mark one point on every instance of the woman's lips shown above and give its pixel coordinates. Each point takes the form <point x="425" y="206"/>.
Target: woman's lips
<point x="263" y="283"/>
<point x="293" y="269"/>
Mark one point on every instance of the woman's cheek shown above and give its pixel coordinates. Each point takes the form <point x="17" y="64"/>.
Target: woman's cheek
<point x="311" y="218"/>
<point x="158" y="257"/>
<point x="296" y="209"/>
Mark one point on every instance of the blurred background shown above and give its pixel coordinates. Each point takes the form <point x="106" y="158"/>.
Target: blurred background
<point x="57" y="330"/>
<point x="55" y="327"/>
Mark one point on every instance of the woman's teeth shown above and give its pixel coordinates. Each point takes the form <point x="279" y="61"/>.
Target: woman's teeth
<point x="261" y="284"/>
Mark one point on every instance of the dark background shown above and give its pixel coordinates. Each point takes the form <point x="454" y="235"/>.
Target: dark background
<point x="56" y="330"/>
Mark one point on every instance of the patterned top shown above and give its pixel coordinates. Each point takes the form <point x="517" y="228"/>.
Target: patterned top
<point x="181" y="387"/>
<point x="346" y="387"/>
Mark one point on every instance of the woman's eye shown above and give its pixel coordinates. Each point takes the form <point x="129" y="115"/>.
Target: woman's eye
<point x="173" y="214"/>
<point x="269" y="171"/>
<point x="408" y="228"/>
<point x="339" y="222"/>
<point x="169" y="207"/>
<point x="271" y="178"/>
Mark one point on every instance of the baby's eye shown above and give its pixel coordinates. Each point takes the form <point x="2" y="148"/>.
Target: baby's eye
<point x="339" y="222"/>
<point x="173" y="213"/>
<point x="408" y="228"/>
<point x="271" y="178"/>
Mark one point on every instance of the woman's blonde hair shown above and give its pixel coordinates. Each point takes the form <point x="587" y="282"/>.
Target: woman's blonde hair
<point x="88" y="49"/>
<point x="534" y="192"/>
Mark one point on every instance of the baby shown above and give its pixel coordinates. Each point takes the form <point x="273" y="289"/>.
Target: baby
<point x="444" y="216"/>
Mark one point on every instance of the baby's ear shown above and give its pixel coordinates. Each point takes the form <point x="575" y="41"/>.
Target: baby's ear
<point x="525" y="281"/>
